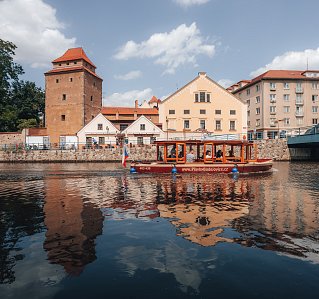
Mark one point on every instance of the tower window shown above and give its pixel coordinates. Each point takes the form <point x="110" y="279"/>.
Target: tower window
<point x="91" y="98"/>
<point x="63" y="117"/>
<point x="71" y="79"/>
<point x="67" y="63"/>
<point x="60" y="64"/>
<point x="64" y="97"/>
<point x="100" y="126"/>
<point x="56" y="80"/>
<point x="75" y="62"/>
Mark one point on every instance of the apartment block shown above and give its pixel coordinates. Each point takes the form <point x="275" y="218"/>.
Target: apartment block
<point x="279" y="101"/>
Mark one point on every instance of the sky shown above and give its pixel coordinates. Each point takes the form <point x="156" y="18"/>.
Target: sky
<point x="149" y="47"/>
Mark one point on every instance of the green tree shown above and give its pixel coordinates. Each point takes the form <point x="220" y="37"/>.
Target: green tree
<point x="21" y="102"/>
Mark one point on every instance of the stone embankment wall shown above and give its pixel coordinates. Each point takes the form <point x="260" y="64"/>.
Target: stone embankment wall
<point x="276" y="149"/>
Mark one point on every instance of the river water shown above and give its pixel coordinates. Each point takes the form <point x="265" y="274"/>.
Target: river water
<point x="96" y="231"/>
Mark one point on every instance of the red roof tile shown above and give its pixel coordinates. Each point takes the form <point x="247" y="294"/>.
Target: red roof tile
<point x="129" y="110"/>
<point x="154" y="99"/>
<point x="71" y="69"/>
<point x="74" y="54"/>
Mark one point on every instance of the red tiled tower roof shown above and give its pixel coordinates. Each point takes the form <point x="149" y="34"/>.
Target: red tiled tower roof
<point x="74" y="54"/>
<point x="154" y="99"/>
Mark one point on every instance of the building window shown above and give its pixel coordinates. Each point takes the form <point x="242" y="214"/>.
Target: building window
<point x="67" y="63"/>
<point x="248" y="103"/>
<point x="171" y="112"/>
<point x="248" y="91"/>
<point x="142" y="127"/>
<point x="186" y="124"/>
<point x="272" y="122"/>
<point x="71" y="79"/>
<point x="286" y="109"/>
<point x="91" y="98"/>
<point x="272" y="86"/>
<point x="208" y="97"/>
<point x="248" y="123"/>
<point x="92" y="116"/>
<point x="257" y="87"/>
<point x="315" y="121"/>
<point x="196" y="97"/>
<point x="218" y="112"/>
<point x="100" y="126"/>
<point x="218" y="125"/>
<point x="75" y="62"/>
<point x="286" y="121"/>
<point x="300" y="121"/>
<point x="257" y="99"/>
<point x="202" y="97"/>
<point x="272" y="109"/>
<point x="202" y="124"/>
<point x="64" y="97"/>
<point x="56" y="80"/>
<point x="299" y="99"/>
<point x="232" y="112"/>
<point x="286" y="97"/>
<point x="202" y="111"/>
<point x="257" y="122"/>
<point x="286" y="85"/>
<point x="272" y="98"/>
<point x="186" y="111"/>
<point x="60" y="64"/>
<point x="94" y="83"/>
<point x="314" y="109"/>
<point x="314" y="85"/>
<point x="63" y="117"/>
<point x="123" y="127"/>
<point x="140" y="140"/>
<point x="248" y="113"/>
<point x="258" y="111"/>
<point x="101" y="140"/>
<point x="314" y="97"/>
<point x="232" y="125"/>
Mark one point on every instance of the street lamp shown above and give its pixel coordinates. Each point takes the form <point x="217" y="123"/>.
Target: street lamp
<point x="278" y="121"/>
<point x="166" y="127"/>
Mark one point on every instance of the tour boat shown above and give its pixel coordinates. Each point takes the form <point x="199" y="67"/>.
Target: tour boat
<point x="195" y="156"/>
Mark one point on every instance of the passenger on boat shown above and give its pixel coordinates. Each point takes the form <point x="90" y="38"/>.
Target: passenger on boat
<point x="190" y="157"/>
<point x="173" y="152"/>
<point x="231" y="153"/>
<point x="219" y="154"/>
<point x="208" y="154"/>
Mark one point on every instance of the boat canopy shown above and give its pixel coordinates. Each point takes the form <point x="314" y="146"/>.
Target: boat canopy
<point x="214" y="151"/>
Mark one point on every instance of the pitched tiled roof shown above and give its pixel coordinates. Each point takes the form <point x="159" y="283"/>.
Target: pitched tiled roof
<point x="154" y="99"/>
<point x="74" y="54"/>
<point x="129" y="110"/>
<point x="72" y="69"/>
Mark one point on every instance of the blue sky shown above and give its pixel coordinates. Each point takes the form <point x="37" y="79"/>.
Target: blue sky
<point x="149" y="47"/>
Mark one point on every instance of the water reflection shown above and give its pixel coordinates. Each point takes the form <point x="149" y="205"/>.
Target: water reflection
<point x="94" y="216"/>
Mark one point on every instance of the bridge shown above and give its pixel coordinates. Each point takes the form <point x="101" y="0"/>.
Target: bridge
<point x="306" y="146"/>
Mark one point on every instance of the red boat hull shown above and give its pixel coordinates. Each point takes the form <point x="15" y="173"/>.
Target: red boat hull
<point x="251" y="167"/>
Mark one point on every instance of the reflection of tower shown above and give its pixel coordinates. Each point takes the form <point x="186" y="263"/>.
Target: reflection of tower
<point x="72" y="227"/>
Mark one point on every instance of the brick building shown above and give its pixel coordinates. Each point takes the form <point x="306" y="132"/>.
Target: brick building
<point x="73" y="95"/>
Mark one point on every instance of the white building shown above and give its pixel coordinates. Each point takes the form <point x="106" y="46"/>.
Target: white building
<point x="143" y="131"/>
<point x="99" y="130"/>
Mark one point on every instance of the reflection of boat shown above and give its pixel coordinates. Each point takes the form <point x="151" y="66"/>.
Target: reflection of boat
<point x="205" y="156"/>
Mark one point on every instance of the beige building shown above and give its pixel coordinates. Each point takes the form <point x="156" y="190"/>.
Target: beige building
<point x="73" y="95"/>
<point x="279" y="101"/>
<point x="202" y="107"/>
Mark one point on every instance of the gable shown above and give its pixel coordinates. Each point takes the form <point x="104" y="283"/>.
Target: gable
<point x="92" y="126"/>
<point x="150" y="127"/>
<point x="205" y="84"/>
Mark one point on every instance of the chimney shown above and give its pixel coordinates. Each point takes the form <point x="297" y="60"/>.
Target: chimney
<point x="136" y="104"/>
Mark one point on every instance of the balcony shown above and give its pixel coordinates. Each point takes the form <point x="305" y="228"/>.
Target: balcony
<point x="299" y="90"/>
<point x="272" y="100"/>
<point x="272" y="124"/>
<point x="299" y="113"/>
<point x="299" y="102"/>
<point x="272" y="112"/>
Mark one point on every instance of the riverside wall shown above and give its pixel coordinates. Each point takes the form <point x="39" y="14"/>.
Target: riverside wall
<point x="272" y="148"/>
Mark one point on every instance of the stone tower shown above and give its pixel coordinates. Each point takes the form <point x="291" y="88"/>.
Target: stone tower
<point x="73" y="95"/>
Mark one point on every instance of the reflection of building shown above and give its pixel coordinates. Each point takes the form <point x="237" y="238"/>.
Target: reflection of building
<point x="72" y="227"/>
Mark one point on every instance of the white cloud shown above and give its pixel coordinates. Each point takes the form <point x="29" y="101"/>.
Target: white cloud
<point x="225" y="82"/>
<point x="292" y="60"/>
<point x="171" y="49"/>
<point x="188" y="3"/>
<point x="128" y="98"/>
<point x="129" y="76"/>
<point x="33" y="26"/>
